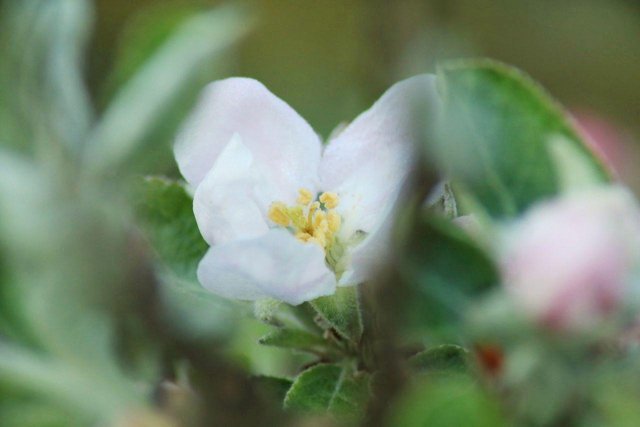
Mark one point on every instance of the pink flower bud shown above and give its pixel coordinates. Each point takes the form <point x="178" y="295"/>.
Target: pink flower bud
<point x="569" y="261"/>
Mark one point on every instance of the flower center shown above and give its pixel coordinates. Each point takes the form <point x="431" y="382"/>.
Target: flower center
<point x="310" y="220"/>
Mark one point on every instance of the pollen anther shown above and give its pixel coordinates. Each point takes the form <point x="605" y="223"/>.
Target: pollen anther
<point x="304" y="197"/>
<point x="309" y="220"/>
<point x="330" y="200"/>
<point x="278" y="214"/>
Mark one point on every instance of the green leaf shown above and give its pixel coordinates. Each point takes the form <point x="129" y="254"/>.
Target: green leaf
<point x="48" y="262"/>
<point x="267" y="310"/>
<point x="152" y="104"/>
<point x="42" y="46"/>
<point x="499" y="138"/>
<point x="277" y="313"/>
<point x="144" y="33"/>
<point x="294" y="339"/>
<point x="166" y="211"/>
<point x="444" y="270"/>
<point x="329" y="388"/>
<point x="341" y="311"/>
<point x="30" y="412"/>
<point x="454" y="400"/>
<point x="446" y="357"/>
<point x="68" y="384"/>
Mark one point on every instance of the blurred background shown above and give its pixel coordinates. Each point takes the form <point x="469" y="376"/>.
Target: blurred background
<point x="331" y="59"/>
<point x="105" y="320"/>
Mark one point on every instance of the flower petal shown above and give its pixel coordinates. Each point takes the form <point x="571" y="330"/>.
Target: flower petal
<point x="274" y="265"/>
<point x="367" y="163"/>
<point x="366" y="259"/>
<point x="231" y="201"/>
<point x="274" y="133"/>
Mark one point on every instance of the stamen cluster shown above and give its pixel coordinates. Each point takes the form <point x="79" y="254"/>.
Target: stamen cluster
<point x="310" y="220"/>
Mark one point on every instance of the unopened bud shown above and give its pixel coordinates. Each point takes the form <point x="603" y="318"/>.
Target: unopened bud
<point x="569" y="262"/>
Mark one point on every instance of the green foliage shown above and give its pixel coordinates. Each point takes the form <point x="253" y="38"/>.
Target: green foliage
<point x="166" y="209"/>
<point x="143" y="35"/>
<point x="57" y="354"/>
<point x="65" y="242"/>
<point x="25" y="412"/>
<point x="66" y="384"/>
<point x="294" y="339"/>
<point x="341" y="311"/>
<point x="43" y="42"/>
<point x="499" y="135"/>
<point x="443" y="358"/>
<point x="160" y="94"/>
<point x="445" y="270"/>
<point x="329" y="388"/>
<point x="447" y="401"/>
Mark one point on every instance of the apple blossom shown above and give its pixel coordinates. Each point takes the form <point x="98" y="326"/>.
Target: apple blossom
<point x="285" y="217"/>
<point x="571" y="261"/>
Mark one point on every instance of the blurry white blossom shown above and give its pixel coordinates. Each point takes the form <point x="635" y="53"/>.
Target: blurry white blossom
<point x="287" y="218"/>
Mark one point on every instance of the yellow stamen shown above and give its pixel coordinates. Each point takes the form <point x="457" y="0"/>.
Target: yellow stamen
<point x="318" y="218"/>
<point x="303" y="236"/>
<point x="305" y="197"/>
<point x="310" y="221"/>
<point x="313" y="207"/>
<point x="329" y="200"/>
<point x="297" y="216"/>
<point x="278" y="214"/>
<point x="334" y="221"/>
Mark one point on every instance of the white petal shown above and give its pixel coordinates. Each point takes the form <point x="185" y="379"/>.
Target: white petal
<point x="231" y="201"/>
<point x="368" y="162"/>
<point x="372" y="254"/>
<point x="274" y="133"/>
<point x="274" y="265"/>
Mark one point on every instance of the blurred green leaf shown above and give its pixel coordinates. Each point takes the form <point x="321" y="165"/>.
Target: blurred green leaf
<point x="294" y="339"/>
<point x="166" y="211"/>
<point x="445" y="270"/>
<point x="257" y="359"/>
<point x="546" y="381"/>
<point x="23" y="196"/>
<point x="268" y="310"/>
<point x="446" y="357"/>
<point x="30" y="412"/>
<point x="277" y="313"/>
<point x="151" y="105"/>
<point x="342" y="312"/>
<point x="329" y="388"/>
<point x="96" y="396"/>
<point x="142" y="36"/>
<point x="500" y="136"/>
<point x="54" y="263"/>
<point x="42" y="45"/>
<point x="447" y="401"/>
<point x="615" y="394"/>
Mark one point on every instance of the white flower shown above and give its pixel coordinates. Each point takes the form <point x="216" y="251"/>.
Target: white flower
<point x="571" y="261"/>
<point x="286" y="218"/>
